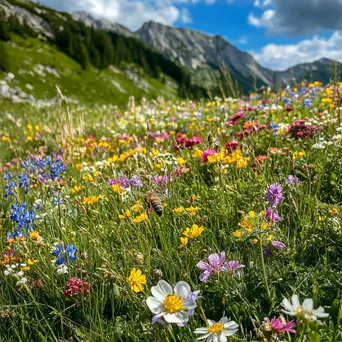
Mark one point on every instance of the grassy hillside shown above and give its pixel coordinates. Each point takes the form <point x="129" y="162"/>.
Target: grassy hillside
<point x="31" y="59"/>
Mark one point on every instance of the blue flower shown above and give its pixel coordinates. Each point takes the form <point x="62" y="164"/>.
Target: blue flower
<point x="58" y="250"/>
<point x="71" y="250"/>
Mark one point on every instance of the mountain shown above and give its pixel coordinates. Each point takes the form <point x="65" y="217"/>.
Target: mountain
<point x="202" y="55"/>
<point x="102" y="24"/>
<point x="89" y="60"/>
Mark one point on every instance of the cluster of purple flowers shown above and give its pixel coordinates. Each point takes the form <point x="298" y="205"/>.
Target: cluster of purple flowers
<point x="216" y="263"/>
<point x="274" y="195"/>
<point x="125" y="182"/>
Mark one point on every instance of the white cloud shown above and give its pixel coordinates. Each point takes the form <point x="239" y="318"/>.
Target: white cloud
<point x="243" y="40"/>
<point x="281" y="57"/>
<point x="130" y="13"/>
<point x="298" y="17"/>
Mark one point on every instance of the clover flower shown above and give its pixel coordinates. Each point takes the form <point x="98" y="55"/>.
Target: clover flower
<point x="76" y="286"/>
<point x="172" y="305"/>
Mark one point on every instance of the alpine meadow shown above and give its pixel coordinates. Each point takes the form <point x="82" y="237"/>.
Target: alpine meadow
<point x="161" y="185"/>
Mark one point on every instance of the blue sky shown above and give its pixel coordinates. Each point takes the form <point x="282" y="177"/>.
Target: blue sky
<point x="278" y="33"/>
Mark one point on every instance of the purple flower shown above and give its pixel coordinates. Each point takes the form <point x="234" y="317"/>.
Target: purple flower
<point x="234" y="266"/>
<point x="214" y="264"/>
<point x="272" y="215"/>
<point x="274" y="194"/>
<point x="136" y="182"/>
<point x="292" y="180"/>
<point x="268" y="252"/>
<point x="123" y="181"/>
<point x="278" y="245"/>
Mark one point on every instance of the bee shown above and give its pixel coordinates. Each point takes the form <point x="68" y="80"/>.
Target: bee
<point x="154" y="202"/>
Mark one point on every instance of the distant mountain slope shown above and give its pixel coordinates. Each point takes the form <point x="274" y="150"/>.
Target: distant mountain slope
<point x="102" y="24"/>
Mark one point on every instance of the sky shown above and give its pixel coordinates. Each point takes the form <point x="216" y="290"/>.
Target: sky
<point x="278" y="33"/>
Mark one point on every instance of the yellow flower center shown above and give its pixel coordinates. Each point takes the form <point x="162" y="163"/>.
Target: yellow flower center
<point x="173" y="303"/>
<point x="216" y="328"/>
<point x="300" y="312"/>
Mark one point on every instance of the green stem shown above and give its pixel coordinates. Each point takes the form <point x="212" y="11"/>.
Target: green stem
<point x="264" y="270"/>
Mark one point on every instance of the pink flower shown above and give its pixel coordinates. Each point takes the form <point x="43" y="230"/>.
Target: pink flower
<point x="75" y="286"/>
<point x="206" y="153"/>
<point x="215" y="263"/>
<point x="279" y="327"/>
<point x="234" y="266"/>
<point x="278" y="245"/>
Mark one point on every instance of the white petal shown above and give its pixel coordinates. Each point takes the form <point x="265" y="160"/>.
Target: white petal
<point x="308" y="304"/>
<point x="161" y="290"/>
<point x="319" y="312"/>
<point x="295" y="301"/>
<point x="204" y="336"/>
<point x="177" y="317"/>
<point x="182" y="289"/>
<point x="211" y="322"/>
<point x="231" y="325"/>
<point x="286" y="304"/>
<point x="224" y="320"/>
<point x="202" y="330"/>
<point x="290" y="313"/>
<point x="154" y="305"/>
<point x="221" y="338"/>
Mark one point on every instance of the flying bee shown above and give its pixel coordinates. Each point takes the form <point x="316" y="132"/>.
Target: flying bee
<point x="154" y="202"/>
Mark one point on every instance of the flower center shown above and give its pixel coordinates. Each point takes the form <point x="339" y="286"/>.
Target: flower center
<point x="300" y="312"/>
<point x="216" y="328"/>
<point x="173" y="303"/>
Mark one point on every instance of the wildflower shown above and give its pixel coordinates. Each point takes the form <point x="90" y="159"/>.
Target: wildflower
<point x="297" y="155"/>
<point x="217" y="331"/>
<point x="178" y="210"/>
<point x="277" y="327"/>
<point x="126" y="215"/>
<point x="333" y="211"/>
<point x="274" y="194"/>
<point x="197" y="154"/>
<point x="303" y="311"/>
<point x="192" y="210"/>
<point x="172" y="305"/>
<point x="184" y="241"/>
<point x="278" y="245"/>
<point x="140" y="218"/>
<point x="215" y="263"/>
<point x="292" y="179"/>
<point x="207" y="153"/>
<point x="194" y="231"/>
<point x="137" y="280"/>
<point x="76" y="286"/>
<point x="118" y="189"/>
<point x="272" y="215"/>
<point x="234" y="266"/>
<point x="62" y="269"/>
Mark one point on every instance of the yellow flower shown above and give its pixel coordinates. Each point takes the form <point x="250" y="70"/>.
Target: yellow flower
<point x="179" y="210"/>
<point x="194" y="231"/>
<point x="242" y="163"/>
<point x="118" y="189"/>
<point x="140" y="218"/>
<point x="238" y="234"/>
<point x="29" y="127"/>
<point x="251" y="214"/>
<point x="181" y="161"/>
<point x="194" y="198"/>
<point x="245" y="223"/>
<point x="31" y="262"/>
<point x="29" y="138"/>
<point x="192" y="210"/>
<point x="184" y="241"/>
<point x="5" y="138"/>
<point x="297" y="155"/>
<point x="137" y="206"/>
<point x="136" y="280"/>
<point x="92" y="199"/>
<point x="126" y="215"/>
<point x="197" y="154"/>
<point x="76" y="189"/>
<point x="34" y="235"/>
<point x="333" y="211"/>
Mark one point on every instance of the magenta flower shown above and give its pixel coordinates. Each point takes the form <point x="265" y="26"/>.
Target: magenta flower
<point x="215" y="263"/>
<point x="206" y="153"/>
<point x="272" y="215"/>
<point x="274" y="194"/>
<point x="234" y="266"/>
<point x="279" y="327"/>
<point x="278" y="245"/>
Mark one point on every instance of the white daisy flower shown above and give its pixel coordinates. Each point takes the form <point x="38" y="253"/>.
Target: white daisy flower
<point x="217" y="331"/>
<point x="173" y="305"/>
<point x="303" y="311"/>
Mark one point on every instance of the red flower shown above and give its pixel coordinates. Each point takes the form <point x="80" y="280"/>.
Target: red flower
<point x="231" y="146"/>
<point x="75" y="286"/>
